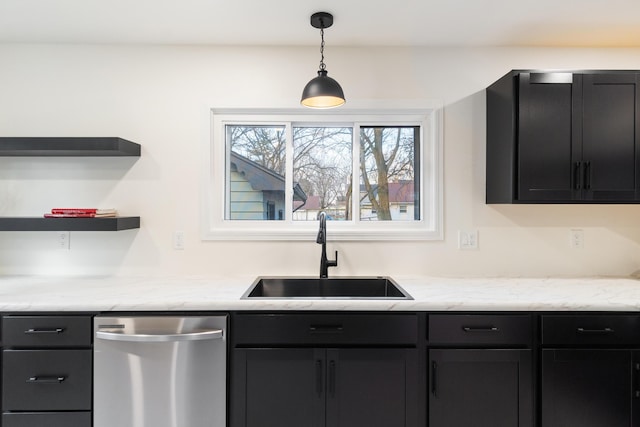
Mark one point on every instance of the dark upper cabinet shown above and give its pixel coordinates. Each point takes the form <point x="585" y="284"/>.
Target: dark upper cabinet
<point x="563" y="137"/>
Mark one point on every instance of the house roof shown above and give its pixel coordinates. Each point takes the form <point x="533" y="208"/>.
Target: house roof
<point x="262" y="178"/>
<point x="399" y="192"/>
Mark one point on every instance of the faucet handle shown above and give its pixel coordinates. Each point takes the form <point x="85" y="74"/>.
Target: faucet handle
<point x="333" y="263"/>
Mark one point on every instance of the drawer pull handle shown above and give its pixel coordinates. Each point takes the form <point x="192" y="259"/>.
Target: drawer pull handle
<point x="46" y="380"/>
<point x="44" y="331"/>
<point x="326" y="329"/>
<point x="595" y="331"/>
<point x="481" y="329"/>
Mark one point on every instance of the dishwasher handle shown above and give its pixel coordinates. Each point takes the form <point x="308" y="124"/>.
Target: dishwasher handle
<point x="213" y="334"/>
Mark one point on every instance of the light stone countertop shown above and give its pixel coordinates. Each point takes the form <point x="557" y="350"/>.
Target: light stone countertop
<point x="93" y="294"/>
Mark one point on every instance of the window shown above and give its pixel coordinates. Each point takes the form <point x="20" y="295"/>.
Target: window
<point x="377" y="174"/>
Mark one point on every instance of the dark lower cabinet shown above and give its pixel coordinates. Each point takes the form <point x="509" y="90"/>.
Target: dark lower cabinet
<point x="480" y="388"/>
<point x="372" y="387"/>
<point x="325" y="387"/>
<point x="46" y="419"/>
<point x="279" y="388"/>
<point x="590" y="388"/>
<point x="47" y="374"/>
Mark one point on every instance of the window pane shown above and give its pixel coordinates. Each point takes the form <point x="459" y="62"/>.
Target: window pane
<point x="322" y="175"/>
<point x="389" y="173"/>
<point x="255" y="172"/>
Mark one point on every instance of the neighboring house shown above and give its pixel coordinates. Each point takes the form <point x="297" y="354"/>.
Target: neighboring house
<point x="257" y="192"/>
<point x="401" y="202"/>
<point x="308" y="210"/>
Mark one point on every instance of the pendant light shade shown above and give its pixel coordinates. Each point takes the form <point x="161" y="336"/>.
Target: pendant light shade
<point x="322" y="91"/>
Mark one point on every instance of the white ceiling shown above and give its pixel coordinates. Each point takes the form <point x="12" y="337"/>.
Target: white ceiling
<point x="357" y="22"/>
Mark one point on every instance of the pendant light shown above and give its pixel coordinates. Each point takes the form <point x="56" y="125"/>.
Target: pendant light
<point x="322" y="91"/>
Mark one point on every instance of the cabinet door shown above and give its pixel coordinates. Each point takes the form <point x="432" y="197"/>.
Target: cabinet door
<point x="589" y="388"/>
<point x="278" y="388"/>
<point x="480" y="388"/>
<point x="372" y="388"/>
<point x="610" y="158"/>
<point x="548" y="151"/>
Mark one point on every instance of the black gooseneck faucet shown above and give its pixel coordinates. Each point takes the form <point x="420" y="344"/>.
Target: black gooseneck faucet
<point x="322" y="239"/>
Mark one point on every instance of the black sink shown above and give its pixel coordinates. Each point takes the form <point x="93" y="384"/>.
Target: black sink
<point x="330" y="288"/>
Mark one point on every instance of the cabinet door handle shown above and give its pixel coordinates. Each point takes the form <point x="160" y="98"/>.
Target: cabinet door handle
<point x="587" y="175"/>
<point x="480" y="329"/>
<point x="53" y="379"/>
<point x="577" y="182"/>
<point x="319" y="379"/>
<point x="332" y="378"/>
<point x="44" y="331"/>
<point x="636" y="393"/>
<point x="595" y="331"/>
<point x="434" y="376"/>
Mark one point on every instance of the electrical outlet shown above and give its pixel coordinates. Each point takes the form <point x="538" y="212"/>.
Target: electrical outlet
<point x="576" y="239"/>
<point x="64" y="240"/>
<point x="178" y="240"/>
<point x="468" y="239"/>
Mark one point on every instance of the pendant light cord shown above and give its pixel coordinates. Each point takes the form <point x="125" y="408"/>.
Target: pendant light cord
<point x="322" y="66"/>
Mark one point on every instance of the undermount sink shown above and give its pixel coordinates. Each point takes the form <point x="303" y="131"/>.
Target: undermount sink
<point x="329" y="288"/>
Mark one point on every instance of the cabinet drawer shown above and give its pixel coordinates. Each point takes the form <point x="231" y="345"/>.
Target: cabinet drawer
<point x="46" y="380"/>
<point x="46" y="331"/>
<point x="325" y="329"/>
<point x="480" y="329"/>
<point x="47" y="419"/>
<point x="591" y="330"/>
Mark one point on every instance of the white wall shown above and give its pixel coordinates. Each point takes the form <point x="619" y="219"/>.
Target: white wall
<point x="160" y="96"/>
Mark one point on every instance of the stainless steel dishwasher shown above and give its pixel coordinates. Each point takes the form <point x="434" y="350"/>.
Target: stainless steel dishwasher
<point x="164" y="371"/>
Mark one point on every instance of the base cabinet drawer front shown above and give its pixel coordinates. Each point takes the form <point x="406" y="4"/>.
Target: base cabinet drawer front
<point x="590" y="388"/>
<point x="46" y="331"/>
<point x="598" y="330"/>
<point x="481" y="388"/>
<point x="46" y="380"/>
<point x="480" y="330"/>
<point x="47" y="419"/>
<point x="326" y="329"/>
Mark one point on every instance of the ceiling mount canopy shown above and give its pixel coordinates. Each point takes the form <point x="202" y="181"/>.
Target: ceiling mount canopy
<point x="322" y="91"/>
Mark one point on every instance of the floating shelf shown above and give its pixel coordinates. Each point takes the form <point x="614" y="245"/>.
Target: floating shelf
<point x="68" y="147"/>
<point x="69" y="224"/>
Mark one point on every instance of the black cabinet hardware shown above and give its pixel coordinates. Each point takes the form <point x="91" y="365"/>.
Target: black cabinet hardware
<point x="325" y="329"/>
<point x="434" y="379"/>
<point x="332" y="378"/>
<point x="595" y="331"/>
<point x="480" y="329"/>
<point x="319" y="378"/>
<point x="44" y="331"/>
<point x="54" y="379"/>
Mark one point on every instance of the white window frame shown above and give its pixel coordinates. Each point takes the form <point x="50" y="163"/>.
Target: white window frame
<point x="428" y="116"/>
